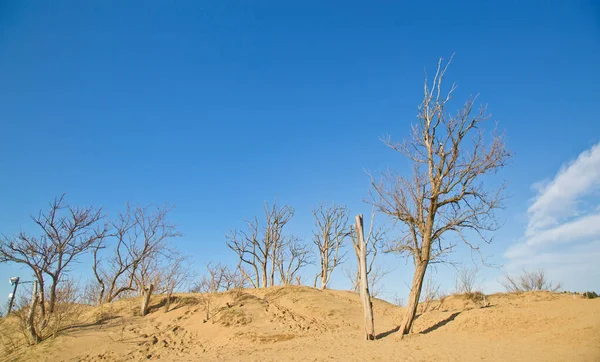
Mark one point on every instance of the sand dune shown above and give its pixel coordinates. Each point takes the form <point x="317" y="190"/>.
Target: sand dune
<point x="305" y="324"/>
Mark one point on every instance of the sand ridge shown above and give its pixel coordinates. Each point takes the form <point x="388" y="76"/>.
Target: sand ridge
<point x="306" y="324"/>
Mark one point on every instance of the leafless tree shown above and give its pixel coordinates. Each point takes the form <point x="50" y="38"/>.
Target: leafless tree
<point x="67" y="232"/>
<point x="529" y="281"/>
<point x="465" y="280"/>
<point x="259" y="247"/>
<point x="450" y="157"/>
<point x="174" y="276"/>
<point x="331" y="229"/>
<point x="218" y="278"/>
<point x="140" y="238"/>
<point x="292" y="256"/>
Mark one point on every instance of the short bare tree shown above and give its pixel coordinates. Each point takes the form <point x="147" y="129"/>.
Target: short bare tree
<point x="466" y="280"/>
<point x="259" y="247"/>
<point x="331" y="229"/>
<point x="67" y="233"/>
<point x="450" y="158"/>
<point x="140" y="238"/>
<point x="291" y="258"/>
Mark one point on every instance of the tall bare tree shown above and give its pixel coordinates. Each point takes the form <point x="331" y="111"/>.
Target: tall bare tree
<point x="259" y="247"/>
<point x="331" y="224"/>
<point x="450" y="158"/>
<point x="67" y="232"/>
<point x="140" y="237"/>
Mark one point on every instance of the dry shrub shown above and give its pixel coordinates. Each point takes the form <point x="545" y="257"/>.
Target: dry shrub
<point x="104" y="312"/>
<point x="590" y="295"/>
<point x="430" y="293"/>
<point x="529" y="281"/>
<point x="67" y="309"/>
<point x="466" y="279"/>
<point x="11" y="338"/>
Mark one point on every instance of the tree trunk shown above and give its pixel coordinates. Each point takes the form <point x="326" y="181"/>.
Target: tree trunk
<point x="264" y="275"/>
<point x="35" y="338"/>
<point x="52" y="300"/>
<point x="413" y="299"/>
<point x="146" y="294"/>
<point x="364" y="281"/>
<point x="168" y="302"/>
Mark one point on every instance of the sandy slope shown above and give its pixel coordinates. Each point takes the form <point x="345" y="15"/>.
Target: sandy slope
<point x="304" y="324"/>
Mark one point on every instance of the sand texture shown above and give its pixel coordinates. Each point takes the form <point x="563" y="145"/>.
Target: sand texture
<point x="305" y="324"/>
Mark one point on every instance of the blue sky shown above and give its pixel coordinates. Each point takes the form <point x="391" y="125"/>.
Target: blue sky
<point x="216" y="107"/>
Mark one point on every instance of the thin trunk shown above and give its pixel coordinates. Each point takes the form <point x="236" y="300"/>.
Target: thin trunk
<point x="413" y="299"/>
<point x="264" y="275"/>
<point x="41" y="287"/>
<point x="324" y="271"/>
<point x="364" y="281"/>
<point x="168" y="303"/>
<point x="52" y="301"/>
<point x="146" y="294"/>
<point x="35" y="338"/>
<point x="273" y="262"/>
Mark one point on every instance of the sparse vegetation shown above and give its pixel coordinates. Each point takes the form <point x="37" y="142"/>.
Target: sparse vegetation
<point x="529" y="281"/>
<point x="590" y="295"/>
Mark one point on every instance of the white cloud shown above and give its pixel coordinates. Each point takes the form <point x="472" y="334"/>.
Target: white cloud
<point x="563" y="230"/>
<point x="559" y="199"/>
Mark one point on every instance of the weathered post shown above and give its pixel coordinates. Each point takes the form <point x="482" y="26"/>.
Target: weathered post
<point x="146" y="294"/>
<point x="365" y="296"/>
<point x="14" y="281"/>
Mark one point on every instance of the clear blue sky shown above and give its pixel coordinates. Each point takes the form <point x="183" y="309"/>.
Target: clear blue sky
<point x="217" y="106"/>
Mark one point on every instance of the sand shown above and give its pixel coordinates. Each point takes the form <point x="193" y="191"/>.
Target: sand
<point x="305" y="324"/>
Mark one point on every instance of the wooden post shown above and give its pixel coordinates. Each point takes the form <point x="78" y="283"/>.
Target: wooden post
<point x="13" y="295"/>
<point x="146" y="294"/>
<point x="364" y="280"/>
<point x="35" y="338"/>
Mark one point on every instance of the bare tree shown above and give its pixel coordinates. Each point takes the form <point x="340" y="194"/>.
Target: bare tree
<point x="292" y="256"/>
<point x="331" y="224"/>
<point x="465" y="280"/>
<point x="140" y="238"/>
<point x="529" y="281"/>
<point x="67" y="232"/>
<point x="217" y="279"/>
<point x="174" y="276"/>
<point x="259" y="247"/>
<point x="449" y="158"/>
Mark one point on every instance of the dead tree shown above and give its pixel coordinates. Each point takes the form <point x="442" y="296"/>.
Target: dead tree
<point x="445" y="193"/>
<point x="373" y="241"/>
<point x="67" y="232"/>
<point x="259" y="247"/>
<point x="174" y="276"/>
<point x="360" y="247"/>
<point x="331" y="223"/>
<point x="140" y="238"/>
<point x="292" y="256"/>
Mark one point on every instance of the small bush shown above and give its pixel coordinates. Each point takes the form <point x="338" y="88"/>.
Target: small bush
<point x="590" y="295"/>
<point x="475" y="297"/>
<point x="466" y="280"/>
<point x="529" y="281"/>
